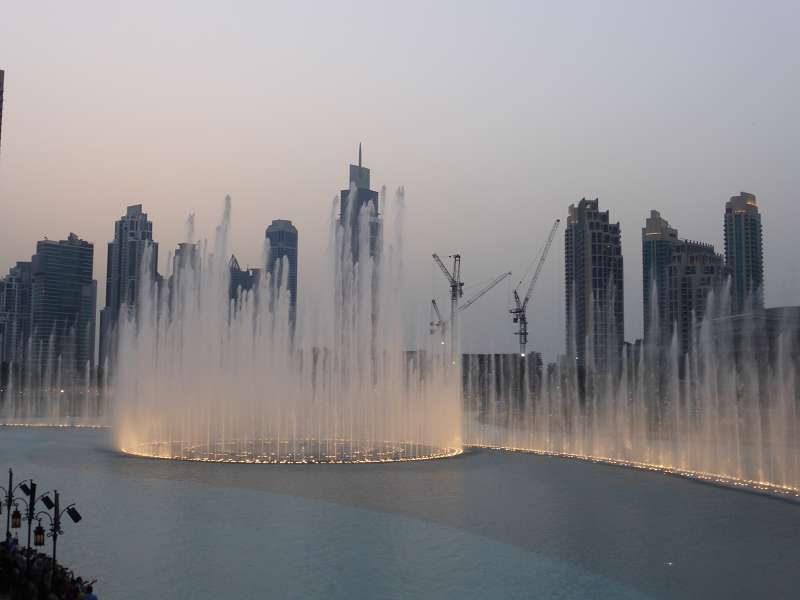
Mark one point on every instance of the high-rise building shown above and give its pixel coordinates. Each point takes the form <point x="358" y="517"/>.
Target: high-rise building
<point x="15" y="313"/>
<point x="133" y="243"/>
<point x="363" y="199"/>
<point x="282" y="237"/>
<point x="744" y="253"/>
<point x="594" y="290"/>
<point x="64" y="299"/>
<point x="186" y="257"/>
<point x="241" y="282"/>
<point x="2" y="78"/>
<point x="677" y="278"/>
<point x="185" y="268"/>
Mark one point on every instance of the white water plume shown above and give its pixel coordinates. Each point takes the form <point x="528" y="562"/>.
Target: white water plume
<point x="201" y="376"/>
<point x="726" y="411"/>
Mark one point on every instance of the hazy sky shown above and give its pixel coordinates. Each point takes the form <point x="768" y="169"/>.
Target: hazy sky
<point x="494" y="115"/>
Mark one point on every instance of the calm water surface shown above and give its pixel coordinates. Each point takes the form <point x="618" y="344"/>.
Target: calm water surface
<point x="484" y="525"/>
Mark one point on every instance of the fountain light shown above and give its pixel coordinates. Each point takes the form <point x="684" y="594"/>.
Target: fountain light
<point x="766" y="487"/>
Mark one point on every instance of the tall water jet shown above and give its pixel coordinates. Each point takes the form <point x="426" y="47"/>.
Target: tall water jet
<point x="725" y="411"/>
<point x="203" y="376"/>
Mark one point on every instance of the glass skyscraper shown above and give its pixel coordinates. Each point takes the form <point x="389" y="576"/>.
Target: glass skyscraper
<point x="677" y="278"/>
<point x="283" y="244"/>
<point x="594" y="289"/>
<point x="15" y="314"/>
<point x="744" y="253"/>
<point x="133" y="243"/>
<point x="64" y="298"/>
<point x="2" y="78"/>
<point x="363" y="199"/>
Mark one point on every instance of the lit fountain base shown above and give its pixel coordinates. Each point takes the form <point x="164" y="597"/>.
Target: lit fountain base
<point x="303" y="451"/>
<point x="761" y="487"/>
<point x="68" y="423"/>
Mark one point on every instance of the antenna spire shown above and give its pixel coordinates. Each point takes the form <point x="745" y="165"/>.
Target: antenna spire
<point x="359" y="155"/>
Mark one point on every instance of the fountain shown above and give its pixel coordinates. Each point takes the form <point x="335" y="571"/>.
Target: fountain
<point x="726" y="412"/>
<point x="50" y="395"/>
<point x="205" y="377"/>
<point x="209" y="376"/>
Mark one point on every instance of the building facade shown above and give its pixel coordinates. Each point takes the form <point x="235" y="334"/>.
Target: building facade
<point x="283" y="246"/>
<point x="353" y="204"/>
<point x="242" y="282"/>
<point x="64" y="299"/>
<point x="678" y="277"/>
<point x="594" y="290"/>
<point x="186" y="267"/>
<point x="133" y="243"/>
<point x="15" y="314"/>
<point x="744" y="253"/>
<point x="2" y="79"/>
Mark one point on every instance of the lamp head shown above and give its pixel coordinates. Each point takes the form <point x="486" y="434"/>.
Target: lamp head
<point x="38" y="535"/>
<point x="74" y="514"/>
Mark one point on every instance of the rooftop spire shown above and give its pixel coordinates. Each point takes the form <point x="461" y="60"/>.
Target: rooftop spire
<point x="359" y="155"/>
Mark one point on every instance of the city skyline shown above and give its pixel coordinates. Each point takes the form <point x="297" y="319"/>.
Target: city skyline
<point x="677" y="277"/>
<point x="436" y="299"/>
<point x="666" y="127"/>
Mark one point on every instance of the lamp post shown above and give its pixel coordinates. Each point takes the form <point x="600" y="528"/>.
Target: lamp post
<point x="9" y="502"/>
<point x="55" y="523"/>
<point x="30" y="506"/>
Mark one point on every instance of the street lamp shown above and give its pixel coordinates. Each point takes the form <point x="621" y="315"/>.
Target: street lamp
<point x="10" y="501"/>
<point x="30" y="506"/>
<point x="38" y="535"/>
<point x="55" y="521"/>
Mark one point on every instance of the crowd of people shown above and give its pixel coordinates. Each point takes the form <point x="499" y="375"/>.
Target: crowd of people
<point x="30" y="575"/>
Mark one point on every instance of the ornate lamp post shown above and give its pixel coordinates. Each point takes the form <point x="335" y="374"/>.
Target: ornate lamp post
<point x="12" y="519"/>
<point x="55" y="523"/>
<point x="30" y="508"/>
<point x="38" y="535"/>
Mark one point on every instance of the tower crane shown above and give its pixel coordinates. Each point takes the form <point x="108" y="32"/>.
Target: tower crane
<point x="518" y="313"/>
<point x="442" y="325"/>
<point x="456" y="288"/>
<point x="439" y="323"/>
<point x="483" y="290"/>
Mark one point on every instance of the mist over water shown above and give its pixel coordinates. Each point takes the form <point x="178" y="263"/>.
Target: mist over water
<point x="54" y="395"/>
<point x="727" y="410"/>
<point x="203" y="376"/>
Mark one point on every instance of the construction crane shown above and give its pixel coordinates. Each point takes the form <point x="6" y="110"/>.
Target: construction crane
<point x="483" y="290"/>
<point x="441" y="325"/>
<point x="518" y="313"/>
<point x="456" y="288"/>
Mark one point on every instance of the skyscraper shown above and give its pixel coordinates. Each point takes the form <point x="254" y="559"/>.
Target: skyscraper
<point x="15" y="313"/>
<point x="186" y="267"/>
<point x="594" y="290"/>
<point x="677" y="277"/>
<point x="744" y="253"/>
<point x="64" y="298"/>
<point x="282" y="237"/>
<point x="2" y="78"/>
<point x="363" y="199"/>
<point x="133" y="242"/>
<point x="241" y="280"/>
